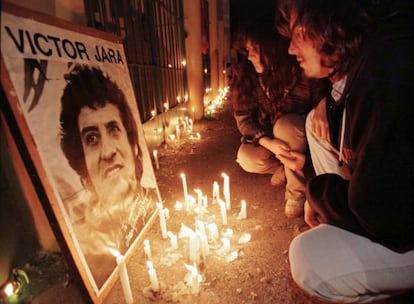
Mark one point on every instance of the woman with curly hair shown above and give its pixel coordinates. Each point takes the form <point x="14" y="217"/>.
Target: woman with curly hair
<point x="270" y="100"/>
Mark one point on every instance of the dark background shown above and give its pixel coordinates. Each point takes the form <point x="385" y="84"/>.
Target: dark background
<point x="247" y="11"/>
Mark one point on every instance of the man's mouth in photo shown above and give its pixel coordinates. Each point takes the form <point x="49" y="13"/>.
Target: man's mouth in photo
<point x="112" y="170"/>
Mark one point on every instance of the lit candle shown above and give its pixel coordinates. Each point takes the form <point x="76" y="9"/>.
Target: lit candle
<point x="199" y="199"/>
<point x="123" y="274"/>
<point x="177" y="132"/>
<point x="212" y="232"/>
<point x="155" y="285"/>
<point x="194" y="279"/>
<point x="183" y="178"/>
<point x="205" y="249"/>
<point x="243" y="212"/>
<point x="216" y="192"/>
<point x="163" y="223"/>
<point x="223" y="212"/>
<point x="205" y="202"/>
<point x="155" y="154"/>
<point x="226" y="190"/>
<point x="173" y="240"/>
<point x="194" y="247"/>
<point x="147" y="249"/>
<point x="225" y="248"/>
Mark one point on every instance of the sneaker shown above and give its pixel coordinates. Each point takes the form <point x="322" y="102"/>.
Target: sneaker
<point x="293" y="208"/>
<point x="278" y="178"/>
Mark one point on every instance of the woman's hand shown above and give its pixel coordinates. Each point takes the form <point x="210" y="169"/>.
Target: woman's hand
<point x="275" y="145"/>
<point x="293" y="160"/>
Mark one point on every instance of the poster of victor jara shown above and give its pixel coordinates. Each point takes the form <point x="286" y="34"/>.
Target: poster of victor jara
<point x="76" y="96"/>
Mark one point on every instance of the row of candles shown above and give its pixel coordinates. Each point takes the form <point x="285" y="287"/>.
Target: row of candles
<point x="210" y="107"/>
<point x="199" y="241"/>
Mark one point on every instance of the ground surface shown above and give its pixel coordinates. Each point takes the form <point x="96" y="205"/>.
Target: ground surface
<point x="259" y="273"/>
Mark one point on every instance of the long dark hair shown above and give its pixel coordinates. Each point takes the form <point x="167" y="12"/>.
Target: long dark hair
<point x="280" y="70"/>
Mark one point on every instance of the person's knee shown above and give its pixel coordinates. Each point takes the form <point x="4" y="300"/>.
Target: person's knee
<point x="249" y="162"/>
<point x="298" y="257"/>
<point x="291" y="129"/>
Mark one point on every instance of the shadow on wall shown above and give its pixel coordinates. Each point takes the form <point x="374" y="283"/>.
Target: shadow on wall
<point x="18" y="237"/>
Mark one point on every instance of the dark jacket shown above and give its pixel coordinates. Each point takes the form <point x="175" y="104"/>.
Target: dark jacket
<point x="378" y="201"/>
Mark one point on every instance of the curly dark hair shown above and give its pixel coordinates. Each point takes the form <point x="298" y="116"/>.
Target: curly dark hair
<point x="90" y="87"/>
<point x="336" y="27"/>
<point x="280" y="70"/>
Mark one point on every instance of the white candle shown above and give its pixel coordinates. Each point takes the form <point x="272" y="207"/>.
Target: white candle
<point x="123" y="274"/>
<point x="163" y="223"/>
<point x="195" y="280"/>
<point x="155" y="285"/>
<point x="185" y="190"/>
<point x="155" y="154"/>
<point x="212" y="232"/>
<point x="200" y="226"/>
<point x="173" y="240"/>
<point x="205" y="202"/>
<point x="226" y="190"/>
<point x="147" y="249"/>
<point x="216" y="192"/>
<point x="177" y="132"/>
<point x="194" y="248"/>
<point x="223" y="212"/>
<point x="243" y="212"/>
<point x="199" y="198"/>
<point x="205" y="249"/>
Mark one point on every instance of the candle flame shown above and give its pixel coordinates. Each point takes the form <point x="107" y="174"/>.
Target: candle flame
<point x="192" y="269"/>
<point x="114" y="252"/>
<point x="9" y="289"/>
<point x="178" y="205"/>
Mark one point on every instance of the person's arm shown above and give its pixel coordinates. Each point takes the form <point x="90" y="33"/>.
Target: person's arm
<point x="245" y="124"/>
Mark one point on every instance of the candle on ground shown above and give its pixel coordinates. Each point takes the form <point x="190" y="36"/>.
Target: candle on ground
<point x="223" y="212"/>
<point x="155" y="154"/>
<point x="194" y="248"/>
<point x="173" y="240"/>
<point x="123" y="275"/>
<point x="216" y="192"/>
<point x="194" y="279"/>
<point x="212" y="232"/>
<point x="199" y="198"/>
<point x="177" y="132"/>
<point x="226" y="190"/>
<point x="185" y="190"/>
<point x="155" y="285"/>
<point x="163" y="222"/>
<point x="243" y="212"/>
<point x="147" y="249"/>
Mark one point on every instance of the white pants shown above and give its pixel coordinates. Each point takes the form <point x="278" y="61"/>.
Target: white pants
<point x="340" y="266"/>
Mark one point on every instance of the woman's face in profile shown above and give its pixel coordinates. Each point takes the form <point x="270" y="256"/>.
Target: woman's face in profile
<point x="253" y="54"/>
<point x="108" y="154"/>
